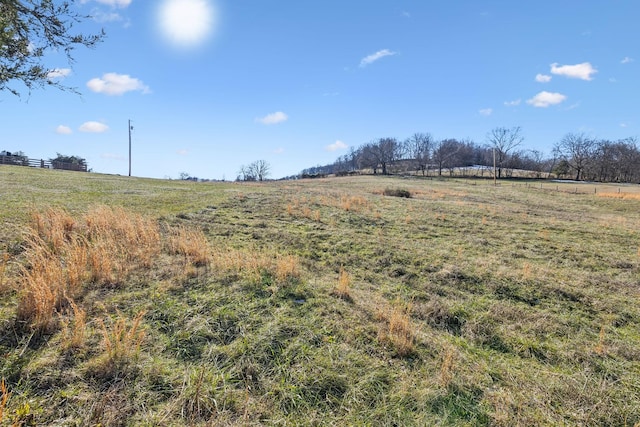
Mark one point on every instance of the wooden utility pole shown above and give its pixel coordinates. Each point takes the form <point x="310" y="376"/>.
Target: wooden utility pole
<point x="130" y="128"/>
<point x="495" y="173"/>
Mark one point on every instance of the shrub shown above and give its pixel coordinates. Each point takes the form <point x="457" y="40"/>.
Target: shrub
<point x="397" y="192"/>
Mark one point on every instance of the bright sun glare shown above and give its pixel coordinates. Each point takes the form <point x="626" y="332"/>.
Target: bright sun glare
<point x="186" y="23"/>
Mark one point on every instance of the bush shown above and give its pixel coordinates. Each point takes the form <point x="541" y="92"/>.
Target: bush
<point x="397" y="192"/>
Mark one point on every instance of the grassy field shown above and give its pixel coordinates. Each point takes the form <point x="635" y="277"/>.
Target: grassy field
<point x="128" y="301"/>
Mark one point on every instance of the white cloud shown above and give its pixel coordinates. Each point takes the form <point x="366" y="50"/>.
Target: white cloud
<point x="117" y="84"/>
<point x="278" y="150"/>
<point x="338" y="145"/>
<point x="582" y="71"/>
<point x="513" y="103"/>
<point x="102" y="17"/>
<point x="486" y="111"/>
<point x="182" y="152"/>
<point x="93" y="127"/>
<point x="58" y="73"/>
<point x="545" y="99"/>
<point x="273" y="118"/>
<point x="376" y="56"/>
<point x="626" y="60"/>
<point x="63" y="130"/>
<point x="623" y="125"/>
<point x="543" y="78"/>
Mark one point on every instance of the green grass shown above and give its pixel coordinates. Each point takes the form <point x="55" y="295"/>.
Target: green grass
<point x="522" y="304"/>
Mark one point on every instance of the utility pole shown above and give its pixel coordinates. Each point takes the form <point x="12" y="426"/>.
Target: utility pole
<point x="130" y="129"/>
<point x="495" y="172"/>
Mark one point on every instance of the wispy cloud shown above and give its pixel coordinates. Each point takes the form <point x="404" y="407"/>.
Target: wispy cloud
<point x="338" y="145"/>
<point x="513" y="103"/>
<point x="583" y="71"/>
<point x="117" y="84"/>
<point x="273" y="118"/>
<point x="102" y="16"/>
<point x="278" y="150"/>
<point x="543" y="78"/>
<point x="486" y="111"/>
<point x="58" y="73"/>
<point x="376" y="56"/>
<point x="545" y="99"/>
<point x="93" y="127"/>
<point x="626" y="60"/>
<point x="63" y="130"/>
<point x="182" y="152"/>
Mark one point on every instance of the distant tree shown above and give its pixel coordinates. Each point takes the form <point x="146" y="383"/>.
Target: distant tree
<point x="62" y="161"/>
<point x="561" y="168"/>
<point x="382" y="153"/>
<point x="578" y="150"/>
<point x="418" y="149"/>
<point x="256" y="171"/>
<point x="261" y="169"/>
<point x="503" y="140"/>
<point x="444" y="154"/>
<point x="31" y="28"/>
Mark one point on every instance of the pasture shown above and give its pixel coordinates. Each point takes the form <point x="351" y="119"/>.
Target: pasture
<point x="127" y="301"/>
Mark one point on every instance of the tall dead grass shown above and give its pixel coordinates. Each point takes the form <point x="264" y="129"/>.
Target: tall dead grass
<point x="342" y="288"/>
<point x="253" y="264"/>
<point x="4" y="397"/>
<point x="64" y="256"/>
<point x="399" y="330"/>
<point x="121" y="341"/>
<point x="192" y="244"/>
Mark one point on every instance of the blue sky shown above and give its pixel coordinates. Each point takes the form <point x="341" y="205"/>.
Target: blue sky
<point x="211" y="85"/>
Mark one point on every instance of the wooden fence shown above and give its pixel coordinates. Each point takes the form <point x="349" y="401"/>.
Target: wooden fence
<point x="41" y="163"/>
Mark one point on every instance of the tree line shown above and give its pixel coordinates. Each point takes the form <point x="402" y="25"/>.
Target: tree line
<point x="576" y="156"/>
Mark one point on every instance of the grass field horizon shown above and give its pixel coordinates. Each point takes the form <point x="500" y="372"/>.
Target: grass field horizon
<point x="334" y="301"/>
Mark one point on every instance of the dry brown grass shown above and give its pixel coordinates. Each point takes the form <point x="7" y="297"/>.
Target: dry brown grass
<point x="253" y="263"/>
<point x="624" y="196"/>
<point x="121" y="342"/>
<point x="54" y="225"/>
<point x="75" y="336"/>
<point x="4" y="398"/>
<point x="4" y="262"/>
<point x="287" y="267"/>
<point x="63" y="257"/>
<point x="344" y="283"/>
<point x="399" y="331"/>
<point x="192" y="244"/>
<point x="447" y="367"/>
<point x="43" y="286"/>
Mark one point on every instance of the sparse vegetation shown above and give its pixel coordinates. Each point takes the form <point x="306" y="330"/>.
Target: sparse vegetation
<point x="397" y="192"/>
<point x="231" y="304"/>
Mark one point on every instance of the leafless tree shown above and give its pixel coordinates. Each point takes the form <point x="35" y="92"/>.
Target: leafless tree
<point x="503" y="140"/>
<point x="260" y="170"/>
<point x="418" y="148"/>
<point x="444" y="154"/>
<point x="578" y="150"/>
